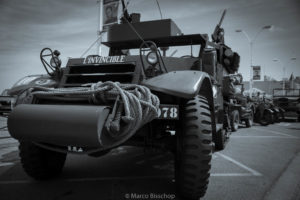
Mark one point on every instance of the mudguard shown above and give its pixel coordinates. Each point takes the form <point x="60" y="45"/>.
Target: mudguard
<point x="31" y="81"/>
<point x="185" y="84"/>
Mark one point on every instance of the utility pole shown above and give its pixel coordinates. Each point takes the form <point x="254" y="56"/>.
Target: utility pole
<point x="100" y="26"/>
<point x="251" y="43"/>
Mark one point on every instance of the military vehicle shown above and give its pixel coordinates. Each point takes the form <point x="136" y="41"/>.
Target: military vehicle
<point x="244" y="107"/>
<point x="98" y="103"/>
<point x="277" y="112"/>
<point x="263" y="114"/>
<point x="287" y="100"/>
<point x="240" y="107"/>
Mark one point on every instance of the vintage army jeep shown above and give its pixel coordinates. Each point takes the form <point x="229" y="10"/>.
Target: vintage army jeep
<point x="240" y="106"/>
<point x="287" y="100"/>
<point x="98" y="103"/>
<point x="277" y="112"/>
<point x="264" y="112"/>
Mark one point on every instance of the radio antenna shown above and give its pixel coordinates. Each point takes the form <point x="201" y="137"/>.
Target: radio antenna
<point x="159" y="9"/>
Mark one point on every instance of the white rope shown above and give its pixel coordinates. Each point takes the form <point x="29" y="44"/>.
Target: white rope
<point x="140" y="105"/>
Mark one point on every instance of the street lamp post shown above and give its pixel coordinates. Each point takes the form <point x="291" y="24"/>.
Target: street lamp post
<point x="251" y="43"/>
<point x="100" y="25"/>
<point x="283" y="69"/>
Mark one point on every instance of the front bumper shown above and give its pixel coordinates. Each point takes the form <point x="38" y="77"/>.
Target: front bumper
<point x="64" y="125"/>
<point x="6" y="104"/>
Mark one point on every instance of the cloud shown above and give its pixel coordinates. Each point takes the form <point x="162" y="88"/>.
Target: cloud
<point x="27" y="26"/>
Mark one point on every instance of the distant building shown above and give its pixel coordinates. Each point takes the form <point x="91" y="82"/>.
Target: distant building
<point x="270" y="83"/>
<point x="269" y="78"/>
<point x="294" y="82"/>
<point x="266" y="86"/>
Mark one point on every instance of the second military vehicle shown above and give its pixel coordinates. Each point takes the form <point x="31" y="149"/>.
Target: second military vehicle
<point x="287" y="100"/>
<point x="240" y="107"/>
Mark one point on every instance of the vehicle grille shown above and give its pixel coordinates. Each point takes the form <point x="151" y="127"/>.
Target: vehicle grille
<point x="77" y="75"/>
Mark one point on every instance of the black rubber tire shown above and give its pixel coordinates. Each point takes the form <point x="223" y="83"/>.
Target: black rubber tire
<point x="249" y="121"/>
<point x="272" y="119"/>
<point x="266" y="118"/>
<point x="220" y="140"/>
<point x="194" y="150"/>
<point x="40" y="163"/>
<point x="282" y="117"/>
<point x="234" y="120"/>
<point x="276" y="117"/>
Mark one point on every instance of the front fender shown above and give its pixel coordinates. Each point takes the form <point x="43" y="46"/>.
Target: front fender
<point x="185" y="84"/>
<point x="31" y="81"/>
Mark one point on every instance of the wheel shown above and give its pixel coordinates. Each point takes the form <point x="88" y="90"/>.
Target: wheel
<point x="249" y="121"/>
<point x="276" y="117"/>
<point x="220" y="140"/>
<point x="272" y="118"/>
<point x="194" y="150"/>
<point x="282" y="118"/>
<point x="235" y="120"/>
<point x="266" y="118"/>
<point x="40" y="163"/>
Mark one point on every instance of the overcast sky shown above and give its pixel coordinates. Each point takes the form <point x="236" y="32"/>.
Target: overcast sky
<point x="27" y="26"/>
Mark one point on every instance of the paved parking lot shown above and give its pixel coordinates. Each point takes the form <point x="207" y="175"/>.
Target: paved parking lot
<point x="258" y="163"/>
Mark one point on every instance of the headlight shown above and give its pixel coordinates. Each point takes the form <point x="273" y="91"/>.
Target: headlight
<point x="55" y="62"/>
<point x="152" y="58"/>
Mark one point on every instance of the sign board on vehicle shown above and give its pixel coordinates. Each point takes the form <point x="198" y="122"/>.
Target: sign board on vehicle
<point x="96" y="59"/>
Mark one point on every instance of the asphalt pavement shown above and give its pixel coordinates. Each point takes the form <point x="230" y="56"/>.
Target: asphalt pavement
<point x="258" y="163"/>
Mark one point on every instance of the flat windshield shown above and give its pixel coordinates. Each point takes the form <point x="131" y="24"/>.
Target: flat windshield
<point x="176" y="51"/>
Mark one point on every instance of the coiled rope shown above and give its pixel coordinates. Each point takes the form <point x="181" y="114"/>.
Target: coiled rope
<point x="139" y="104"/>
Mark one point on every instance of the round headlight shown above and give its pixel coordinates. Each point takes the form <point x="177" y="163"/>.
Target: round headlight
<point x="152" y="58"/>
<point x="55" y="62"/>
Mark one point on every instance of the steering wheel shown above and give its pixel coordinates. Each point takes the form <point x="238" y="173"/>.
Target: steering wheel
<point x="54" y="64"/>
